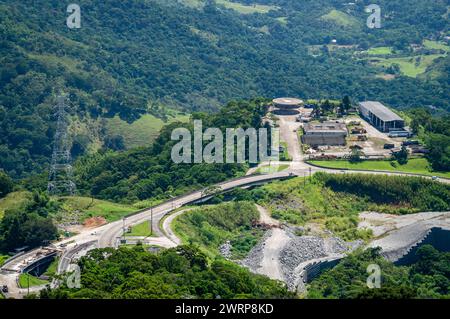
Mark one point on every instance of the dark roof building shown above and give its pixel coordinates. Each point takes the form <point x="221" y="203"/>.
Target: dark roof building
<point x="381" y="117"/>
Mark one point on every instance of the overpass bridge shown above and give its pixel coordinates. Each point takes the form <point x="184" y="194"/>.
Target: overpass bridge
<point x="109" y="235"/>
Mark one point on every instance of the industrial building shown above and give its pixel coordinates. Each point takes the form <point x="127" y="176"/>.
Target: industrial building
<point x="327" y="133"/>
<point x="381" y="117"/>
<point x="287" y="103"/>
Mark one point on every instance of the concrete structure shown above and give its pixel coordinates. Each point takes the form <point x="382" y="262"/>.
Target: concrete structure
<point x="327" y="133"/>
<point x="381" y="117"/>
<point x="287" y="103"/>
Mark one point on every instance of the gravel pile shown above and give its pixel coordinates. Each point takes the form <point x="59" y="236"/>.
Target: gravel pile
<point x="255" y="256"/>
<point x="225" y="249"/>
<point x="297" y="251"/>
<point x="289" y="203"/>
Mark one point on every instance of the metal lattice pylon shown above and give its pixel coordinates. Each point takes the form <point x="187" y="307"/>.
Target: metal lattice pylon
<point x="60" y="175"/>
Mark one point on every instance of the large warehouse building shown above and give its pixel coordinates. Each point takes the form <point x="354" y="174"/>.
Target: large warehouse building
<point x="327" y="133"/>
<point x="381" y="117"/>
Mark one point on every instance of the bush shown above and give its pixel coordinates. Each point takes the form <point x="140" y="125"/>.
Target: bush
<point x="6" y="184"/>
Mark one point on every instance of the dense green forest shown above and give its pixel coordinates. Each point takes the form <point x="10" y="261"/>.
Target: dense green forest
<point x="150" y="172"/>
<point x="182" y="272"/>
<point x="418" y="193"/>
<point x="29" y="225"/>
<point x="429" y="277"/>
<point x="435" y="133"/>
<point x="130" y="55"/>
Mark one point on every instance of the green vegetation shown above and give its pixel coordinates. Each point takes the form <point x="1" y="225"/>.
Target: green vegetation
<point x="246" y="9"/>
<point x="300" y="201"/>
<point x="27" y="279"/>
<point x="409" y="66"/>
<point x="150" y="173"/>
<point x="428" y="278"/>
<point x="284" y="155"/>
<point x="266" y="169"/>
<point x="380" y="51"/>
<point x="414" y="165"/>
<point x="435" y="45"/>
<point x="30" y="225"/>
<point x="87" y="207"/>
<point x="142" y="229"/>
<point x="413" y="193"/>
<point x="52" y="268"/>
<point x="340" y="18"/>
<point x="179" y="273"/>
<point x="166" y="63"/>
<point x="211" y="226"/>
<point x="14" y="200"/>
<point x="434" y="131"/>
<point x="6" y="184"/>
<point x="141" y="132"/>
<point x="3" y="258"/>
<point x="335" y="201"/>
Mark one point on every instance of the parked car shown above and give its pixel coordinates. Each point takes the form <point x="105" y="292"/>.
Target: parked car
<point x="389" y="146"/>
<point x="408" y="143"/>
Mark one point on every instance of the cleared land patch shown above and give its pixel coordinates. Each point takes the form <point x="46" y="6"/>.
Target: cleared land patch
<point x="211" y="226"/>
<point x="141" y="132"/>
<point x="246" y="9"/>
<point x="340" y="18"/>
<point x="13" y="200"/>
<point x="87" y="207"/>
<point x="409" y="66"/>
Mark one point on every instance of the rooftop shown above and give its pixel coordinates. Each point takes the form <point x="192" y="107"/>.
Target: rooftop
<point x="325" y="127"/>
<point x="381" y="111"/>
<point x="288" y="101"/>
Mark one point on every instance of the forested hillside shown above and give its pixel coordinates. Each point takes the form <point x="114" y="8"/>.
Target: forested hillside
<point x="425" y="279"/>
<point x="130" y="55"/>
<point x="183" y="272"/>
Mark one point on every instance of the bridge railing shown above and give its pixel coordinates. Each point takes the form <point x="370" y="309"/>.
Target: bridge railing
<point x="202" y="190"/>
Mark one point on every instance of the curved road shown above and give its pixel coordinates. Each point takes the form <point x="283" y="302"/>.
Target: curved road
<point x="109" y="234"/>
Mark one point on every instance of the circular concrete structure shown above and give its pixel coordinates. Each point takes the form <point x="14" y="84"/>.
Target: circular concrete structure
<point x="287" y="103"/>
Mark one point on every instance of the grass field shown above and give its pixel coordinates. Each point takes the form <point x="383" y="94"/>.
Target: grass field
<point x="415" y="166"/>
<point x="141" y="132"/>
<point x="436" y="45"/>
<point x="246" y="9"/>
<point x="340" y="18"/>
<point x="211" y="226"/>
<point x="284" y="156"/>
<point x="3" y="258"/>
<point x="142" y="229"/>
<point x="380" y="51"/>
<point x="266" y="169"/>
<point x="53" y="60"/>
<point x="13" y="200"/>
<point x="52" y="268"/>
<point x="88" y="208"/>
<point x="34" y="281"/>
<point x="410" y="66"/>
<point x="304" y="201"/>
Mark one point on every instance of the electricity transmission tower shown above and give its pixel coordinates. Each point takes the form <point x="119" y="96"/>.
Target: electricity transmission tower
<point x="60" y="175"/>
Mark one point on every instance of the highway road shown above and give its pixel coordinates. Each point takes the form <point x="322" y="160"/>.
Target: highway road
<point x="108" y="235"/>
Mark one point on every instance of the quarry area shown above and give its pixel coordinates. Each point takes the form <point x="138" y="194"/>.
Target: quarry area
<point x="283" y="254"/>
